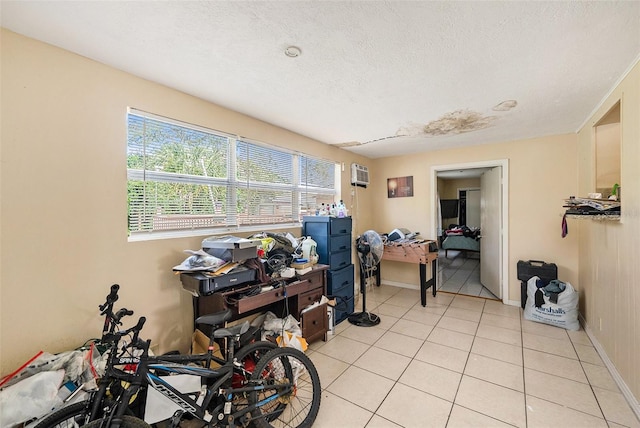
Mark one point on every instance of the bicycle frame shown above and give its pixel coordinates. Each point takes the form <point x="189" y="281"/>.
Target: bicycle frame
<point x="222" y="375"/>
<point x="144" y="376"/>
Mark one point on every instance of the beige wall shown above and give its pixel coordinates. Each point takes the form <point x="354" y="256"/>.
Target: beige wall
<point x="609" y="272"/>
<point x="448" y="189"/>
<point x="542" y="172"/>
<point x="63" y="217"/>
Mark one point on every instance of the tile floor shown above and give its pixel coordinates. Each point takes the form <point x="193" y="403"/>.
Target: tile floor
<point x="461" y="362"/>
<point x="460" y="273"/>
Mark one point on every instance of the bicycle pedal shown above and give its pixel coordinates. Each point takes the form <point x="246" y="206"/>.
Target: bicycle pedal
<point x="176" y="418"/>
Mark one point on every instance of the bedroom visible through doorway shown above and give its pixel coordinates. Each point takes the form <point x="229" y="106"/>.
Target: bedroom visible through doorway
<point x="462" y="268"/>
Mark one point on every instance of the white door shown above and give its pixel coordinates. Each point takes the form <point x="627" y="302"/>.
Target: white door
<point x="491" y="230"/>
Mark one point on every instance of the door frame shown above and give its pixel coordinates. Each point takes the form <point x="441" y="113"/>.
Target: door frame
<point x="504" y="220"/>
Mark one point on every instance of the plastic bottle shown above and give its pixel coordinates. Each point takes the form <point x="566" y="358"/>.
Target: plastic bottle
<point x="342" y="210"/>
<point x="309" y="250"/>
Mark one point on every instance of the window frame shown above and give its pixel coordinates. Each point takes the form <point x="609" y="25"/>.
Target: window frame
<point x="299" y="189"/>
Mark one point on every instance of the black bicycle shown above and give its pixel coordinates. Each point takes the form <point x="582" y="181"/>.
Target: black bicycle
<point x="110" y="386"/>
<point x="283" y="389"/>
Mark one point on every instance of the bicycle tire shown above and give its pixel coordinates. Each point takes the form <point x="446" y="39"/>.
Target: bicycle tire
<point x="73" y="415"/>
<point x="127" y="422"/>
<point x="297" y="407"/>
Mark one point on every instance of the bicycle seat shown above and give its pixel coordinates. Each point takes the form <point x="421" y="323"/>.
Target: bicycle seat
<point x="221" y="333"/>
<point x="215" y="319"/>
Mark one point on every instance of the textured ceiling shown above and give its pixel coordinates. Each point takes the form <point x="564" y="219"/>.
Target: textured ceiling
<point x="379" y="78"/>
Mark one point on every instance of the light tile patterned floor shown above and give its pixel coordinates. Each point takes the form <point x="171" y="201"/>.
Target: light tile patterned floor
<point x="461" y="362"/>
<point x="460" y="273"/>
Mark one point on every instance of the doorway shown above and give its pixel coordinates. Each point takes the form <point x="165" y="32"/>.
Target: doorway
<point x="495" y="261"/>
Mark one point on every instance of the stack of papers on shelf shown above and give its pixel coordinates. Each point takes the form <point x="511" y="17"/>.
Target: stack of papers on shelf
<point x="598" y="204"/>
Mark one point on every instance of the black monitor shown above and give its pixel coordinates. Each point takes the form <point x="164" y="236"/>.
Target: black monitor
<point x="449" y="208"/>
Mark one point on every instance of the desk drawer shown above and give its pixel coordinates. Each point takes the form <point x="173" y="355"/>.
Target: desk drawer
<point x="338" y="279"/>
<point x="314" y="323"/>
<point x="315" y="278"/>
<point x="309" y="297"/>
<point x="249" y="303"/>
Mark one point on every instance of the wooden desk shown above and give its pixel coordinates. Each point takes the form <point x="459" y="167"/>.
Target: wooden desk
<point x="414" y="253"/>
<point x="299" y="292"/>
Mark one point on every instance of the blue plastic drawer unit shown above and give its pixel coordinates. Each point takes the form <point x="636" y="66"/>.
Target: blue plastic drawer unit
<point x="333" y="245"/>
<point x="340" y="287"/>
<point x="337" y="280"/>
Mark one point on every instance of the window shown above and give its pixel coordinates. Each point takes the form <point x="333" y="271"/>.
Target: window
<point x="187" y="180"/>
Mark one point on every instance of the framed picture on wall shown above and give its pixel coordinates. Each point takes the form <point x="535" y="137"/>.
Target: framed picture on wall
<point x="400" y="187"/>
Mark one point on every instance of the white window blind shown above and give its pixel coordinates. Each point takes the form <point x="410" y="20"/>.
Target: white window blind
<point x="184" y="177"/>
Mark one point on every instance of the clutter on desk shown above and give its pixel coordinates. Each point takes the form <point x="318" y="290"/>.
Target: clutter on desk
<point x="229" y="261"/>
<point x="199" y="260"/>
<point x="231" y="248"/>
<point x="402" y="236"/>
<point x="286" y="255"/>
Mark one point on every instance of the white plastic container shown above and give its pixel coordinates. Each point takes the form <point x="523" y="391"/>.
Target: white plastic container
<point x="309" y="250"/>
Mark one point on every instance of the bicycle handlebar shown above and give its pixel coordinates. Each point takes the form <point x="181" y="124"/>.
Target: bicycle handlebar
<point x="121" y="313"/>
<point x="111" y="298"/>
<point x="115" y="336"/>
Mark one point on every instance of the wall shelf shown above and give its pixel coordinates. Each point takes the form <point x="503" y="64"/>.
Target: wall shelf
<point x="599" y="217"/>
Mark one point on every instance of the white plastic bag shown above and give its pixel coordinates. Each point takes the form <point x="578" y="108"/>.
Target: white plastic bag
<point x="30" y="398"/>
<point x="563" y="314"/>
<point x="275" y="325"/>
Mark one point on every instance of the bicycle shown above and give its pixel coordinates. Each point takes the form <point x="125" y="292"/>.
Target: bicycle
<point x="78" y="414"/>
<point x="283" y="389"/>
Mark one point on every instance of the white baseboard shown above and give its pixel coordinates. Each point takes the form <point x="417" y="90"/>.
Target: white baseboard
<point x="513" y="302"/>
<point x="626" y="392"/>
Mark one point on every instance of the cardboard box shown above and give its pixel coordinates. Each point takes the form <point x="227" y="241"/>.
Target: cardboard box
<point x="200" y="345"/>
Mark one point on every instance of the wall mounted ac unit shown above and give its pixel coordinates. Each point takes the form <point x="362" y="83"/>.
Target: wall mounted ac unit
<point x="359" y="175"/>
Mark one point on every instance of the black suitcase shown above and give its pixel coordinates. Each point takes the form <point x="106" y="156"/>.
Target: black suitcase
<point x="526" y="269"/>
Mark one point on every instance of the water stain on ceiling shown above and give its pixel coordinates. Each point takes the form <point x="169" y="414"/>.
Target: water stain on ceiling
<point x="458" y="122"/>
<point x="452" y="123"/>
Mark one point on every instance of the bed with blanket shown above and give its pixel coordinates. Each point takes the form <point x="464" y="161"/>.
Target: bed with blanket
<point x="461" y="238"/>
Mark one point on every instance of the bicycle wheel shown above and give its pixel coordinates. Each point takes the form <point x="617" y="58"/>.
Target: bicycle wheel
<point x="295" y="400"/>
<point x="73" y="415"/>
<point x="127" y="422"/>
<point x="248" y="356"/>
